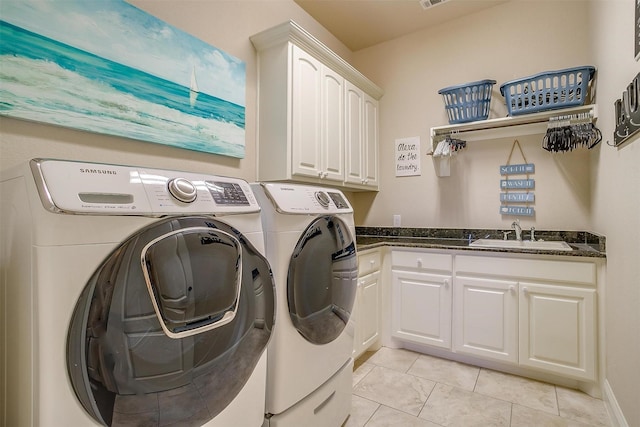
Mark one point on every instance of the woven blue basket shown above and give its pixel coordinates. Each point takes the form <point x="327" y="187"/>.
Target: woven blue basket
<point x="468" y="102"/>
<point x="547" y="91"/>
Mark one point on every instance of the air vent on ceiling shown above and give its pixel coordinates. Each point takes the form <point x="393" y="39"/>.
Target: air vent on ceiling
<point x="428" y="3"/>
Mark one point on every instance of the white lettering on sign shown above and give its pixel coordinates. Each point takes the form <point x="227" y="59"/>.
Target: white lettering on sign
<point x="517" y="197"/>
<point x="516" y="210"/>
<point x="517" y="169"/>
<point x="517" y="183"/>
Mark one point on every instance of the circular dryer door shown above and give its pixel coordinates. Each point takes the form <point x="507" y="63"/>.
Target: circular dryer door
<point x="322" y="280"/>
<point x="171" y="326"/>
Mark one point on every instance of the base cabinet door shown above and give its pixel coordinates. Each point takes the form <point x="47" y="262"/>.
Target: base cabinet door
<point x="367" y="317"/>
<point x="421" y="308"/>
<point x="485" y="318"/>
<point x="558" y="329"/>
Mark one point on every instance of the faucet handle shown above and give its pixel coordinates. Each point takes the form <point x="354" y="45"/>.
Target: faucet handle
<point x="533" y="234"/>
<point x="506" y="233"/>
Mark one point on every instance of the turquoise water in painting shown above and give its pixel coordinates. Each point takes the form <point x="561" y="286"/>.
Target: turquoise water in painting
<point x="48" y="81"/>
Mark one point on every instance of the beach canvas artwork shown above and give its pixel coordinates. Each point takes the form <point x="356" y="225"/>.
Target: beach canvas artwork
<point x="106" y="66"/>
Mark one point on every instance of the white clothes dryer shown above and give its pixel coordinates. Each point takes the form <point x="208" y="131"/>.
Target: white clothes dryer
<point x="310" y="244"/>
<point x="132" y="296"/>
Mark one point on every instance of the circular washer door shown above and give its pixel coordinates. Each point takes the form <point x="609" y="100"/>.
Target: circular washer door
<point x="171" y="326"/>
<point x="322" y="280"/>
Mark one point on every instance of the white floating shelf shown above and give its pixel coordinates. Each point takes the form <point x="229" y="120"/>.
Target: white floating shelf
<point x="527" y="124"/>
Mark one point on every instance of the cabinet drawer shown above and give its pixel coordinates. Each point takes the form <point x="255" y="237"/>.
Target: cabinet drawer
<point x="421" y="260"/>
<point x="368" y="262"/>
<point x="537" y="269"/>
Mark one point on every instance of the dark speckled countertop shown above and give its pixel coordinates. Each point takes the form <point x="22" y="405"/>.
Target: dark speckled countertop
<point x="584" y="244"/>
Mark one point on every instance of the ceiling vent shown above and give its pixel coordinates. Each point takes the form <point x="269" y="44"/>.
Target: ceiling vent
<point x="428" y="3"/>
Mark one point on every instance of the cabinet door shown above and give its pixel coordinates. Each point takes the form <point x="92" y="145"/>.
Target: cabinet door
<point x="557" y="329"/>
<point x="306" y="111"/>
<point x="370" y="142"/>
<point x="354" y="101"/>
<point x="485" y="318"/>
<point x="332" y="125"/>
<point x="370" y="310"/>
<point x="421" y="308"/>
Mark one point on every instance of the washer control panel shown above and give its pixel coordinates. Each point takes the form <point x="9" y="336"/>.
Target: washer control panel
<point x="304" y="199"/>
<point x="77" y="187"/>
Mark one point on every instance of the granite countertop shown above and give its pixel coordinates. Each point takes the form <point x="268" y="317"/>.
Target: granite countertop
<point x="584" y="244"/>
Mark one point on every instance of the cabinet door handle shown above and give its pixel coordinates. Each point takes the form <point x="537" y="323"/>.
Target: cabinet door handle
<point x="525" y="291"/>
<point x="319" y="174"/>
<point x="372" y="262"/>
<point x="446" y="283"/>
<point x="512" y="289"/>
<point x="419" y="262"/>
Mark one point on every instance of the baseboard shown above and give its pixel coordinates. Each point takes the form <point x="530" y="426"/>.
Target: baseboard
<point x="613" y="409"/>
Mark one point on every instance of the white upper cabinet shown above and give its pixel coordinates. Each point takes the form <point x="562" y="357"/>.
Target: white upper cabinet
<point x="361" y="129"/>
<point x="317" y="118"/>
<point x="317" y="115"/>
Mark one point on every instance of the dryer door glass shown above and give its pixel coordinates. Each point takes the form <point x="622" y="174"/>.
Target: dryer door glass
<point x="171" y="326"/>
<point x="322" y="280"/>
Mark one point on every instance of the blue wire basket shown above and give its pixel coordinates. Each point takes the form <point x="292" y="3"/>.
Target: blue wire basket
<point x="548" y="91"/>
<point x="469" y="102"/>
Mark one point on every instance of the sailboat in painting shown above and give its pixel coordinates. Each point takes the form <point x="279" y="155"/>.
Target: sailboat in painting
<point x="193" y="88"/>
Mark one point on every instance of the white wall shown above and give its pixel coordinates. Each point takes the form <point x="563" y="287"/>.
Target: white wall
<point x="594" y="190"/>
<point x="224" y="24"/>
<point x="616" y="203"/>
<point x="512" y="40"/>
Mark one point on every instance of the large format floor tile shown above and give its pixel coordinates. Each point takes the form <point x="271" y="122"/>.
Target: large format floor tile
<point x="514" y="389"/>
<point x="397" y="359"/>
<point x="445" y="371"/>
<point x="389" y="417"/>
<point x="581" y="407"/>
<point x="395" y="389"/>
<point x="452" y="406"/>
<point x="361" y="411"/>
<point x="406" y="389"/>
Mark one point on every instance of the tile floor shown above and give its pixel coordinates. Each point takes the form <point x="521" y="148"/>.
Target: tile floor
<point x="395" y="387"/>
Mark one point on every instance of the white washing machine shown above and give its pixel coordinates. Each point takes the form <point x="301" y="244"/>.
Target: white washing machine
<point x="310" y="244"/>
<point x="132" y="296"/>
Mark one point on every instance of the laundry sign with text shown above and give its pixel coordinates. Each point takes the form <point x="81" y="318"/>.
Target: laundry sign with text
<point x="408" y="156"/>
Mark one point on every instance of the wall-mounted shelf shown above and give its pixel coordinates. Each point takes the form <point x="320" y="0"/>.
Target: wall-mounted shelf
<point x="526" y="124"/>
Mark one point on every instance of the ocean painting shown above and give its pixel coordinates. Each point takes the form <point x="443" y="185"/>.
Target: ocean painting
<point x="105" y="66"/>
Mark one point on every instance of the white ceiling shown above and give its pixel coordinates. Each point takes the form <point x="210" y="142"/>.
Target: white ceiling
<point x="363" y="23"/>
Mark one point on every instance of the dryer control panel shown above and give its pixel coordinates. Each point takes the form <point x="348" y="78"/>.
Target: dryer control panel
<point x="93" y="188"/>
<point x="305" y="199"/>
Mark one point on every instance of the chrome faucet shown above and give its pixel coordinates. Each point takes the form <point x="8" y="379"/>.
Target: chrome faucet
<point x="516" y="226"/>
<point x="533" y="234"/>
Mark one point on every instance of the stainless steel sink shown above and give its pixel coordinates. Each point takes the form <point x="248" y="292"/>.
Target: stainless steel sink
<point x="551" y="245"/>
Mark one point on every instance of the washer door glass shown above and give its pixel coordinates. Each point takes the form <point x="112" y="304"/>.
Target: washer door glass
<point x="322" y="280"/>
<point x="171" y="326"/>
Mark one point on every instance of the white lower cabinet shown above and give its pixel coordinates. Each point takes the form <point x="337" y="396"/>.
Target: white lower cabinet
<point x="537" y="313"/>
<point x="558" y="329"/>
<point x="366" y="311"/>
<point x="421" y="298"/>
<point x="485" y="318"/>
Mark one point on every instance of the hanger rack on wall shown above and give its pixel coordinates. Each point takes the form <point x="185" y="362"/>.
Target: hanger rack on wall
<point x="526" y="124"/>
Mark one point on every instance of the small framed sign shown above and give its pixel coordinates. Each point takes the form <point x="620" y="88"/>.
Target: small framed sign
<point x="522" y="169"/>
<point x="517" y="197"/>
<point x="517" y="210"/>
<point x="512" y="184"/>
<point x="408" y="156"/>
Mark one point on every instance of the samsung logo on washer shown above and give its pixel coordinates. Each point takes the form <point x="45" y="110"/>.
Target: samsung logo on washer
<point x="99" y="171"/>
